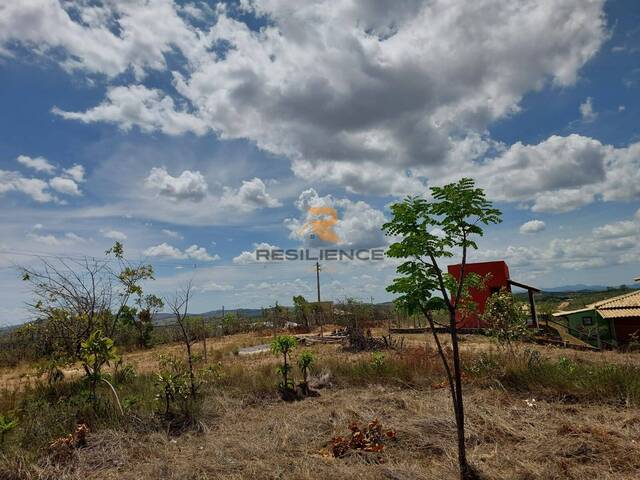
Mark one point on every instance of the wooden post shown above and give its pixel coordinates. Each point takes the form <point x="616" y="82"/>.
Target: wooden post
<point x="532" y="303"/>
<point x="318" y="279"/>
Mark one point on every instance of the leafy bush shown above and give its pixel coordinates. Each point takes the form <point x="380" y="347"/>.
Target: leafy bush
<point x="506" y="319"/>
<point x="173" y="385"/>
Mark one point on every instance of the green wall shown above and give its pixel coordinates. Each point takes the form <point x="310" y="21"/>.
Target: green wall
<point x="578" y="323"/>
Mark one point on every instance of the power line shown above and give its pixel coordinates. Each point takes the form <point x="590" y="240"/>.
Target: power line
<point x="81" y="257"/>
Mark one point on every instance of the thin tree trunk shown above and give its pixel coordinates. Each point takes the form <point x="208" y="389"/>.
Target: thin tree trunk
<point x="286" y="372"/>
<point x="443" y="358"/>
<point x="191" y="376"/>
<point x="459" y="405"/>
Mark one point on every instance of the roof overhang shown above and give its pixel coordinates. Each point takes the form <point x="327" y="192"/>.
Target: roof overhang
<point x="571" y="312"/>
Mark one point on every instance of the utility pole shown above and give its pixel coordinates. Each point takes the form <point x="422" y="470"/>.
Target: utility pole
<point x="318" y="279"/>
<point x="319" y="308"/>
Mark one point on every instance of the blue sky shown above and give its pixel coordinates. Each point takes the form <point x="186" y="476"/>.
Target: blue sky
<point x="194" y="131"/>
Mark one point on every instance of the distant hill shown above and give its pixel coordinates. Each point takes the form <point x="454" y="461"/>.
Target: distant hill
<point x="167" y="318"/>
<point x="585" y="288"/>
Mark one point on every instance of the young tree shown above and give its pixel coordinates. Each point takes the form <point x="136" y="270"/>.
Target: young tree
<point x="506" y="319"/>
<point x="301" y="309"/>
<point x="179" y="306"/>
<point x="74" y="298"/>
<point x="96" y="352"/>
<point x="432" y="230"/>
<point x="284" y="345"/>
<point x="305" y="362"/>
<point x="148" y="306"/>
<point x="277" y="317"/>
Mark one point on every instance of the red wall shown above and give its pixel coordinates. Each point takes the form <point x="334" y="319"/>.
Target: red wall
<point x="496" y="276"/>
<point x="625" y="327"/>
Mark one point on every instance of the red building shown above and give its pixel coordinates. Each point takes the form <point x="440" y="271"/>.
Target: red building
<point x="496" y="275"/>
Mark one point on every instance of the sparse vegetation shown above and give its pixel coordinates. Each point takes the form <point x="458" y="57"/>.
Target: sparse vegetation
<point x="180" y="308"/>
<point x="543" y="397"/>
<point x="154" y="403"/>
<point x="284" y="345"/>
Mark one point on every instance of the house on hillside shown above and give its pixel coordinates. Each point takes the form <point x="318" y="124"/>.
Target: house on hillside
<point x="496" y="278"/>
<point x="611" y="321"/>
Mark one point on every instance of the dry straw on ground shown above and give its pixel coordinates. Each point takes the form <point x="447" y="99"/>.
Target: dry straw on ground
<point x="248" y="433"/>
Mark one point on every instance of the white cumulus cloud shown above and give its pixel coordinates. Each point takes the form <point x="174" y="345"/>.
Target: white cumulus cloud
<point x="363" y="92"/>
<point x="65" y="186"/>
<point x="358" y="225"/>
<point x="247" y="257"/>
<point x="114" y="234"/>
<point x="39" y="164"/>
<point x="194" y="252"/>
<point x="33" y="187"/>
<point x="251" y="195"/>
<point x="532" y="226"/>
<point x="186" y="186"/>
<point x="76" y="173"/>
<point x="586" y="110"/>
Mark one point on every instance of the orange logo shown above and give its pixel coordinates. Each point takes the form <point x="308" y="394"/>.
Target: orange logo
<point x="322" y="226"/>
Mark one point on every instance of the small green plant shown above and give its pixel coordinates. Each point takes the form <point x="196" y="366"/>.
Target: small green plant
<point x="96" y="352"/>
<point x="131" y="401"/>
<point x="123" y="372"/>
<point x="567" y="365"/>
<point x="173" y="383"/>
<point x="485" y="365"/>
<point x="6" y="425"/>
<point x="305" y="362"/>
<point x="378" y="361"/>
<point x="284" y="345"/>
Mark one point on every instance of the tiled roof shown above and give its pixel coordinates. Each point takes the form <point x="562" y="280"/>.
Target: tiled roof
<point x="620" y="312"/>
<point x="622" y="306"/>
<point x="628" y="300"/>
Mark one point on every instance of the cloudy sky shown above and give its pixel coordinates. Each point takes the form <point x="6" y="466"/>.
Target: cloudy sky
<point x="196" y="131"/>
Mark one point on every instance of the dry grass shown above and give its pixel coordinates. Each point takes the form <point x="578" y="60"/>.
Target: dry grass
<point x="249" y="433"/>
<point x="273" y="440"/>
